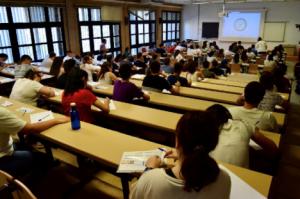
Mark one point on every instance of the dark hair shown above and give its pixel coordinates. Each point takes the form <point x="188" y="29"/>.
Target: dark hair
<point x="254" y="93"/>
<point x="214" y="64"/>
<point x="139" y="55"/>
<point x="221" y="114"/>
<point x="3" y="55"/>
<point x="130" y="58"/>
<point x="104" y="68"/>
<point x="155" y="67"/>
<point x="270" y="57"/>
<point x="236" y="58"/>
<point x="205" y="64"/>
<point x="259" y="39"/>
<point x="192" y="66"/>
<point x="86" y="58"/>
<point x="267" y="80"/>
<point x="125" y="70"/>
<point x="167" y="61"/>
<point x="118" y="58"/>
<point x="68" y="65"/>
<point x="178" y="68"/>
<point x="109" y="58"/>
<point x="239" y="42"/>
<point x="56" y="65"/>
<point x="211" y="53"/>
<point x="25" y="57"/>
<point x="197" y="134"/>
<point x="176" y="53"/>
<point x="30" y="74"/>
<point x="103" y="40"/>
<point x="75" y="80"/>
<point x="244" y="56"/>
<point x="204" y="44"/>
<point x="52" y="54"/>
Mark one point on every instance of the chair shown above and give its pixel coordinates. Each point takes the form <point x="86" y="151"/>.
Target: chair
<point x="235" y="68"/>
<point x="253" y="69"/>
<point x="11" y="188"/>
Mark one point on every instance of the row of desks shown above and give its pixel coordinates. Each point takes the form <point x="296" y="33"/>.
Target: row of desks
<point x="107" y="146"/>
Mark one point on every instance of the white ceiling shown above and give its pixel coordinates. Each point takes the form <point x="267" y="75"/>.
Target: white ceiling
<point x="220" y="1"/>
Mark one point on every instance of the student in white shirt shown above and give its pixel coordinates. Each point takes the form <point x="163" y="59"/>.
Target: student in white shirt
<point x="193" y="74"/>
<point x="23" y="66"/>
<point x="29" y="88"/>
<point x="47" y="62"/>
<point x="178" y="56"/>
<point x="234" y="138"/>
<point x="57" y="68"/>
<point x="89" y="67"/>
<point x="250" y="114"/>
<point x="21" y="162"/>
<point x="106" y="75"/>
<point x="261" y="46"/>
<point x="195" y="174"/>
<point x="70" y="55"/>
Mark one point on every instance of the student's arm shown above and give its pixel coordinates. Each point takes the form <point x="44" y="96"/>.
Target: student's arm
<point x="268" y="145"/>
<point x="103" y="106"/>
<point x="42" y="126"/>
<point x="47" y="91"/>
<point x="241" y="100"/>
<point x="112" y="76"/>
<point x="175" y="89"/>
<point x="146" y="97"/>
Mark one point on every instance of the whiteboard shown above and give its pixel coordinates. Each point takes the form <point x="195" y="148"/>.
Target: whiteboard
<point x="274" y="31"/>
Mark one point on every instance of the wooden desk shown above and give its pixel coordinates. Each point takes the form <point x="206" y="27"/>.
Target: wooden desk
<point x="224" y="82"/>
<point x="107" y="146"/>
<point x="242" y="77"/>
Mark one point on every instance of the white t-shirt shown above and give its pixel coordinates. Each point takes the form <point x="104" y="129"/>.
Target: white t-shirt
<point x="106" y="79"/>
<point x="26" y="91"/>
<point x="21" y="70"/>
<point x="261" y="46"/>
<point x="156" y="184"/>
<point x="270" y="100"/>
<point x="233" y="145"/>
<point x="10" y="125"/>
<point x="67" y="58"/>
<point x="47" y="62"/>
<point x="254" y="117"/>
<point x="90" y="68"/>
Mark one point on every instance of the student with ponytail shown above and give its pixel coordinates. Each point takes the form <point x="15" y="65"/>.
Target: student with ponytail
<point x="195" y="174"/>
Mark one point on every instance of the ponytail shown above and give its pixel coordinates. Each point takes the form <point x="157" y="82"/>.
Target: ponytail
<point x="197" y="134"/>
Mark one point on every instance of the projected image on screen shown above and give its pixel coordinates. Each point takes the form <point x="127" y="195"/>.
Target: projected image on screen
<point x="241" y="26"/>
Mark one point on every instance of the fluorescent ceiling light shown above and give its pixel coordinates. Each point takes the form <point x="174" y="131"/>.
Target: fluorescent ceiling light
<point x="204" y="2"/>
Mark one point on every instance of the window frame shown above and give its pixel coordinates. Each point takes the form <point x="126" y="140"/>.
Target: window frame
<point x="168" y="21"/>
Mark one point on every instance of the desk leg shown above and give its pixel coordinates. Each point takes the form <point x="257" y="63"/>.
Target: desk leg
<point x="125" y="185"/>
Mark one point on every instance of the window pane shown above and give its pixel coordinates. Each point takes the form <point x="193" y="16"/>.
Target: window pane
<point x="37" y="14"/>
<point x="116" y="42"/>
<point x="54" y="14"/>
<point x="108" y="45"/>
<point x="132" y="15"/>
<point x="41" y="51"/>
<point x="116" y="29"/>
<point x="105" y="30"/>
<point x="95" y="15"/>
<point x="141" y="39"/>
<point x="153" y="27"/>
<point x="164" y="27"/>
<point x="23" y="36"/>
<point x="169" y="35"/>
<point x="86" y="46"/>
<point x="3" y="15"/>
<point x="146" y="15"/>
<point x="164" y="36"/>
<point x="83" y="14"/>
<point x="39" y="35"/>
<point x="177" y="35"/>
<point x="164" y="16"/>
<point x="4" y="38"/>
<point x="8" y="51"/>
<point x="133" y="40"/>
<point x="132" y="29"/>
<point x="146" y="26"/>
<point x="133" y="51"/>
<point x="97" y="31"/>
<point x="140" y="15"/>
<point x="58" y="49"/>
<point x="178" y="16"/>
<point x="26" y="50"/>
<point x="153" y="38"/>
<point x="152" y="15"/>
<point x="169" y="16"/>
<point x="173" y="26"/>
<point x="20" y="15"/>
<point x="173" y="16"/>
<point x="56" y="34"/>
<point x="169" y="26"/>
<point x="84" y="32"/>
<point x="146" y="38"/>
<point x="173" y="35"/>
<point x="177" y="28"/>
<point x="97" y="43"/>
<point x="140" y="28"/>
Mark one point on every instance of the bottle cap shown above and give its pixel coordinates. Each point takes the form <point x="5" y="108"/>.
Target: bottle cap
<point x="73" y="104"/>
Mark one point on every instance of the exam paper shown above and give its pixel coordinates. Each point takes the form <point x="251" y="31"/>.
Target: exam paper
<point x="101" y="87"/>
<point x="41" y="117"/>
<point x="93" y="83"/>
<point x="7" y="103"/>
<point x="166" y="91"/>
<point x="25" y="110"/>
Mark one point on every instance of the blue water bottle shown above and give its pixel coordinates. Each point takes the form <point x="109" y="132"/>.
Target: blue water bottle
<point x="75" y="120"/>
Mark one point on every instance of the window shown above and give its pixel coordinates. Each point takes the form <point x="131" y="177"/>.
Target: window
<point x="34" y="31"/>
<point x="142" y="29"/>
<point x="93" y="30"/>
<point x="170" y="26"/>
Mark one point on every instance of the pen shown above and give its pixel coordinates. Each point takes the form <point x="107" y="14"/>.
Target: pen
<point x="162" y="149"/>
<point x="43" y="117"/>
<point x="24" y="112"/>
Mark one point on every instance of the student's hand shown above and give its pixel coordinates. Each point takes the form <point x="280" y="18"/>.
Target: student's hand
<point x="62" y="120"/>
<point x="153" y="162"/>
<point x="106" y="101"/>
<point x="177" y="83"/>
<point x="171" y="154"/>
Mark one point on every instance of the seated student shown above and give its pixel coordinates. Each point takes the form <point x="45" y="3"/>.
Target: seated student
<point x="124" y="90"/>
<point x="250" y="54"/>
<point x="57" y="68"/>
<point x="206" y="72"/>
<point x="167" y="68"/>
<point x="282" y="83"/>
<point x="29" y="88"/>
<point x="250" y="114"/>
<point x="195" y="174"/>
<point x="154" y="82"/>
<point x="211" y="56"/>
<point x="176" y="78"/>
<point x="234" y="138"/>
<point x="270" y="63"/>
<point x="116" y="64"/>
<point x="3" y="58"/>
<point x="70" y="55"/>
<point x="193" y="74"/>
<point x="177" y="56"/>
<point x="106" y="75"/>
<point x="20" y="162"/>
<point x="161" y="50"/>
<point x="225" y="62"/>
<point x="244" y="57"/>
<point x="271" y="98"/>
<point x="62" y="79"/>
<point x="47" y="62"/>
<point x="220" y="54"/>
<point x="75" y="91"/>
<point x="89" y="67"/>
<point x="236" y="59"/>
<point x="154" y="58"/>
<point x="23" y="66"/>
<point x="215" y="68"/>
<point x="140" y="62"/>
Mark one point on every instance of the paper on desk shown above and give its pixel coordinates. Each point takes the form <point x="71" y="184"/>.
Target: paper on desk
<point x="5" y="80"/>
<point x="101" y="87"/>
<point x="254" y="145"/>
<point x="166" y="91"/>
<point x="240" y="189"/>
<point x="25" y="110"/>
<point x="58" y="92"/>
<point x="7" y="103"/>
<point x="112" y="105"/>
<point x="41" y="117"/>
<point x="93" y="83"/>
